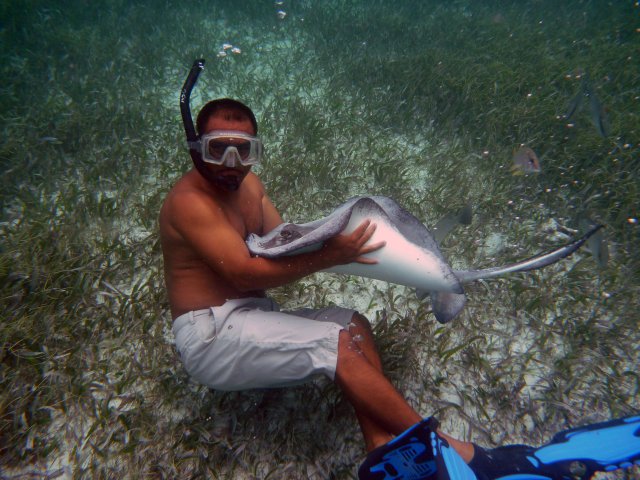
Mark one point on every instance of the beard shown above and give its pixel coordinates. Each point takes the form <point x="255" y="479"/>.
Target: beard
<point x="226" y="182"/>
<point x="220" y="180"/>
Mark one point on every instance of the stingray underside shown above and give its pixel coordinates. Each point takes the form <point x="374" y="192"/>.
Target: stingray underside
<point x="410" y="257"/>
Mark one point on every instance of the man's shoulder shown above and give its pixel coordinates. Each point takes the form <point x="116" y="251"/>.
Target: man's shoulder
<point x="185" y="196"/>
<point x="254" y="183"/>
<point x="185" y="189"/>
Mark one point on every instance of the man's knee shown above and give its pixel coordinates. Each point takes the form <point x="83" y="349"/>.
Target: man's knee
<point x="360" y="321"/>
<point x="349" y="347"/>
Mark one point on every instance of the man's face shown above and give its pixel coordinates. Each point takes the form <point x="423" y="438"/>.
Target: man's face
<point x="221" y="176"/>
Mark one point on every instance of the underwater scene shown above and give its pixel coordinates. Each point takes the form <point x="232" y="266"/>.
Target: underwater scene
<point x="514" y="126"/>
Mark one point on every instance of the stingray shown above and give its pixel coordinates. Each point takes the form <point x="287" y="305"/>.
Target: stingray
<point x="410" y="257"/>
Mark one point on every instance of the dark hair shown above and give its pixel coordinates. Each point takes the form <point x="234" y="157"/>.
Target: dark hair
<point x="243" y="112"/>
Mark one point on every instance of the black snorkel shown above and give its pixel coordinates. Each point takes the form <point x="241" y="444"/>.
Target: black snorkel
<point x="185" y="98"/>
<point x="187" y="120"/>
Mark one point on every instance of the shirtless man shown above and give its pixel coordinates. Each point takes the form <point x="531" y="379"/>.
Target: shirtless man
<point x="231" y="336"/>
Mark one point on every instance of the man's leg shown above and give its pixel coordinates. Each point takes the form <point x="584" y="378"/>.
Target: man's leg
<point x="383" y="413"/>
<point x="381" y="410"/>
<point x="362" y="340"/>
<point x="367" y="389"/>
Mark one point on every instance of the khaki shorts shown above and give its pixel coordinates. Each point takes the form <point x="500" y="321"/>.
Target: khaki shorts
<point x="249" y="343"/>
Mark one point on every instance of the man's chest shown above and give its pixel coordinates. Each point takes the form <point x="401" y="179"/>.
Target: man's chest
<point x="246" y="216"/>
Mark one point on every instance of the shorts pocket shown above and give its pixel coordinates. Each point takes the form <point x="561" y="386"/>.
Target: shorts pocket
<point x="205" y="327"/>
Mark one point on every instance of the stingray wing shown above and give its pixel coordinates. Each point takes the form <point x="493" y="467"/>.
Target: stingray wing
<point x="410" y="256"/>
<point x="293" y="239"/>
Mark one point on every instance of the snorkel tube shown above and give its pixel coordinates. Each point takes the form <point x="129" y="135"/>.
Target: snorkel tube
<point x="187" y="120"/>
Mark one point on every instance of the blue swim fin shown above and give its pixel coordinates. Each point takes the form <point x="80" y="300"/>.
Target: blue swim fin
<point x="577" y="453"/>
<point x="600" y="447"/>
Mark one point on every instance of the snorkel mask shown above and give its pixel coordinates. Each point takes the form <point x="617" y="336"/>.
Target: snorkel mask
<point x="227" y="148"/>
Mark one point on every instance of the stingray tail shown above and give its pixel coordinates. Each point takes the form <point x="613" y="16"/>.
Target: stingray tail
<point x="533" y="263"/>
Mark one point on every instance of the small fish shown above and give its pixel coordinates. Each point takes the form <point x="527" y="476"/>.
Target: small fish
<point x="599" y="115"/>
<point x="574" y="104"/>
<point x="450" y="221"/>
<point x="48" y="140"/>
<point x="598" y="112"/>
<point x="576" y="101"/>
<point x="597" y="243"/>
<point x="281" y="14"/>
<point x="525" y="161"/>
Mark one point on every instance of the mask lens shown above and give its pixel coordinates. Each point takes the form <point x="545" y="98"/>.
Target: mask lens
<point x="217" y="149"/>
<point x="244" y="149"/>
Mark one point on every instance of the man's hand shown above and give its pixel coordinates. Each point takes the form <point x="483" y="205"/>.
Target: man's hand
<point x="343" y="249"/>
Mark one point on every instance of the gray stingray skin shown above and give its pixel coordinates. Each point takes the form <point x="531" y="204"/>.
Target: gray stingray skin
<point x="410" y="257"/>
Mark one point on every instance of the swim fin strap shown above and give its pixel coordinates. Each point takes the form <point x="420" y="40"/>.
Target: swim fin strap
<point x="409" y="456"/>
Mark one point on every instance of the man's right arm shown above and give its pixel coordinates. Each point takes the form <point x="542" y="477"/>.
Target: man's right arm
<point x="206" y="230"/>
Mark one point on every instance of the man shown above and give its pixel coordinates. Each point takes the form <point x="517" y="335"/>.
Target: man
<point x="231" y="336"/>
